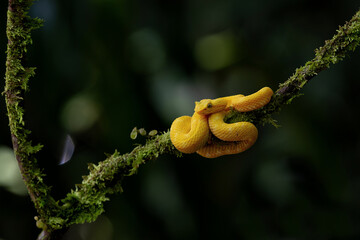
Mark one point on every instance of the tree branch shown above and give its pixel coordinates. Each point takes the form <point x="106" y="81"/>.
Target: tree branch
<point x="19" y="27"/>
<point x="85" y="202"/>
<point x="346" y="40"/>
<point x="106" y="177"/>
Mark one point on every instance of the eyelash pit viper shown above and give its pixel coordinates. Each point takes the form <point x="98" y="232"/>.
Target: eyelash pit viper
<point x="193" y="134"/>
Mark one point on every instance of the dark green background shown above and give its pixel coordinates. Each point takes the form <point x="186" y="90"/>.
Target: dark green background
<point x="137" y="63"/>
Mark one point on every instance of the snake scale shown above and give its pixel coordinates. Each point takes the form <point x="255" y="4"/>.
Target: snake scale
<point x="193" y="134"/>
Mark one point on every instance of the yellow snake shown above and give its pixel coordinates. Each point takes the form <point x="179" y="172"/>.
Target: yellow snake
<point x="193" y="134"/>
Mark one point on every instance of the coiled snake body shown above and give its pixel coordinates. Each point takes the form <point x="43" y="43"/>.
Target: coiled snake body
<point x="192" y="134"/>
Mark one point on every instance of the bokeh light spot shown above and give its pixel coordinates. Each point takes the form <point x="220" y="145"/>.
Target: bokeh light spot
<point x="79" y="114"/>
<point x="174" y="94"/>
<point x="215" y="51"/>
<point x="10" y="176"/>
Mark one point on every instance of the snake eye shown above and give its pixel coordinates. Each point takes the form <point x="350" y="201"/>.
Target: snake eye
<point x="209" y="105"/>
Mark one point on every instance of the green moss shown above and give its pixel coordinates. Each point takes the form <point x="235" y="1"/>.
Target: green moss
<point x="346" y="40"/>
<point x="19" y="27"/>
<point x="85" y="203"/>
<point x="105" y="178"/>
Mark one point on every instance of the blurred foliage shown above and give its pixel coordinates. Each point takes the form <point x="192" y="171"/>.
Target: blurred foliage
<point x="104" y="67"/>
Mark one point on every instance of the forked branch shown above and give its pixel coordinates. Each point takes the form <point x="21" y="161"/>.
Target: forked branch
<point x="85" y="202"/>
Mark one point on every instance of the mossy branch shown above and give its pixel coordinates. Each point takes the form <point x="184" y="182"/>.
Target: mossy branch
<point x="19" y="27"/>
<point x="85" y="202"/>
<point x="346" y="40"/>
<point x="105" y="177"/>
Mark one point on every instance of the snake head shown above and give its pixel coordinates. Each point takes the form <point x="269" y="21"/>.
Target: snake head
<point x="208" y="106"/>
<point x="203" y="106"/>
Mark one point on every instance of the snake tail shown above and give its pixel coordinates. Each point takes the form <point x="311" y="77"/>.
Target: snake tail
<point x="254" y="101"/>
